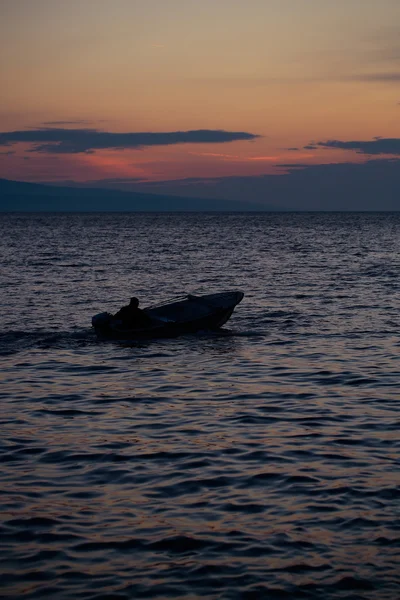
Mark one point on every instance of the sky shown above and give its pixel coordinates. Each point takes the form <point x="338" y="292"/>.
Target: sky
<point x="143" y="93"/>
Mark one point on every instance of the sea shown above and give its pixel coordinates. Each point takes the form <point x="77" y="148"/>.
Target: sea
<point x="258" y="462"/>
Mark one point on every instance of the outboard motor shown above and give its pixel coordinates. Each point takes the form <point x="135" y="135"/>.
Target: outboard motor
<point x="101" y="320"/>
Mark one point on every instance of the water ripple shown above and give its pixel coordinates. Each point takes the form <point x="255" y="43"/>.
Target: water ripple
<point x="259" y="462"/>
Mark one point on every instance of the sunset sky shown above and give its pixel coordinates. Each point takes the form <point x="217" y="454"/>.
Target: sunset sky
<point x="268" y="83"/>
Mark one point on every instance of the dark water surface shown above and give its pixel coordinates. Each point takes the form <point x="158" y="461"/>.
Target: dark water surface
<point x="259" y="463"/>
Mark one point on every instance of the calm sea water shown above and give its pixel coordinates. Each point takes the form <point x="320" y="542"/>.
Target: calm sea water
<point x="262" y="462"/>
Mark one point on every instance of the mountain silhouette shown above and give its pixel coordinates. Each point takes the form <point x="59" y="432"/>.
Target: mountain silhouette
<point x="19" y="196"/>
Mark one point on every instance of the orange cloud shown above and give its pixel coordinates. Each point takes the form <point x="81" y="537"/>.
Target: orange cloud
<point x="267" y="158"/>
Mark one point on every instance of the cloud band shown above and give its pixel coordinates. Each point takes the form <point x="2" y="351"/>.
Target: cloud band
<point x="74" y="141"/>
<point x="372" y="147"/>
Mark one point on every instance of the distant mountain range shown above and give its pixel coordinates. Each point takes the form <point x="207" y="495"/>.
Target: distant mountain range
<point x="21" y="196"/>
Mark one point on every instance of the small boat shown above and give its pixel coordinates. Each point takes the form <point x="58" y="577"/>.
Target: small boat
<point x="186" y="314"/>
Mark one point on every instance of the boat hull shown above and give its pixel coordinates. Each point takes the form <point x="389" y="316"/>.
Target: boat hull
<point x="193" y="314"/>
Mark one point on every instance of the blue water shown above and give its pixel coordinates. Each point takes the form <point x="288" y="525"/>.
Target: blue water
<point x="261" y="462"/>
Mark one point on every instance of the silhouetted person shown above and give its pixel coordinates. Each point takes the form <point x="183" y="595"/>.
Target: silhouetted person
<point x="132" y="315"/>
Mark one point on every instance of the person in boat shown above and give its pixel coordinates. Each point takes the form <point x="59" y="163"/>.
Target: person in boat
<point x="133" y="316"/>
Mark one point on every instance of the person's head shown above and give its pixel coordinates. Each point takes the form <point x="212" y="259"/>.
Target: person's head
<point x="134" y="303"/>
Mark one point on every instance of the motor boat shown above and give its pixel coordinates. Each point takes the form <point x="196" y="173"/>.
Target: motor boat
<point x="186" y="314"/>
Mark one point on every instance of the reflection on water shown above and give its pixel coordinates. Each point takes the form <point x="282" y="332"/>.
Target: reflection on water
<point x="261" y="462"/>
